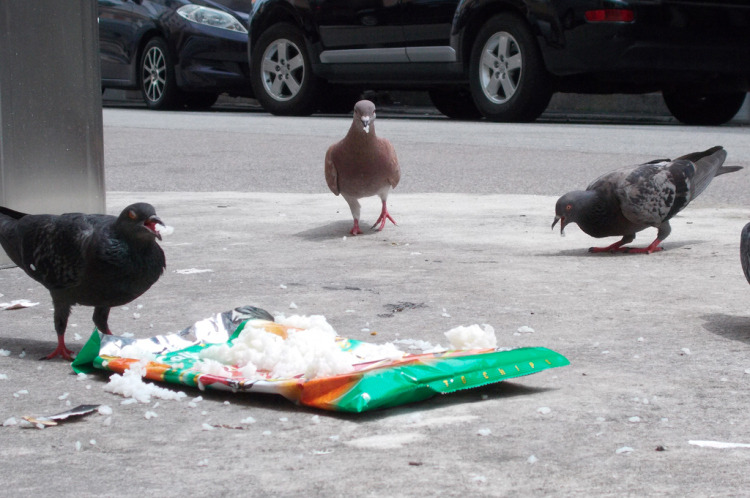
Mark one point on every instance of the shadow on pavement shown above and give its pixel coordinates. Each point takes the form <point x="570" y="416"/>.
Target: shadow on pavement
<point x="736" y="328"/>
<point x="336" y="230"/>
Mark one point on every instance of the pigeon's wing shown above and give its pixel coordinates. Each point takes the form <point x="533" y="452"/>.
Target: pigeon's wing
<point x="332" y="178"/>
<point x="745" y="251"/>
<point x="654" y="192"/>
<point x="391" y="162"/>
<point x="608" y="181"/>
<point x="53" y="248"/>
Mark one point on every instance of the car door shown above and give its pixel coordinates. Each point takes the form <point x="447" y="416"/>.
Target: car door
<point x="427" y="28"/>
<point x="353" y="31"/>
<point x="116" y="41"/>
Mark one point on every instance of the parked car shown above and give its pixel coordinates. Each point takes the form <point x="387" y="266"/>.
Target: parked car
<point x="179" y="53"/>
<point x="503" y="59"/>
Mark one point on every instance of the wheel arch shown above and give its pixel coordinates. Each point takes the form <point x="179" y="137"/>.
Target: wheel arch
<point x="267" y="13"/>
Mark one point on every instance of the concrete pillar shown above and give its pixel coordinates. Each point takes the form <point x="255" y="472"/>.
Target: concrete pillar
<point x="51" y="145"/>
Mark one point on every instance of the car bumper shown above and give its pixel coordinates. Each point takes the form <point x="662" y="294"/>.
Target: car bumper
<point x="668" y="40"/>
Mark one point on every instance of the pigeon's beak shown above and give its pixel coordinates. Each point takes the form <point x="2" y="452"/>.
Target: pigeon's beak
<point x="561" y="219"/>
<point x="366" y="123"/>
<point x="151" y="223"/>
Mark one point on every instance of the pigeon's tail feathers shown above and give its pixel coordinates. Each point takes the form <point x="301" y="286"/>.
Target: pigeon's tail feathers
<point x="745" y="251"/>
<point x="727" y="169"/>
<point x="697" y="156"/>
<point x="9" y="240"/>
<point x="13" y="214"/>
<point x="707" y="165"/>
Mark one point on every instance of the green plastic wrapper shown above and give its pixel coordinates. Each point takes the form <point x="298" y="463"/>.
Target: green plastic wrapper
<point x="370" y="385"/>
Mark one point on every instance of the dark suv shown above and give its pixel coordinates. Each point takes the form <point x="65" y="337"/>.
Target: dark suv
<point x="502" y="59"/>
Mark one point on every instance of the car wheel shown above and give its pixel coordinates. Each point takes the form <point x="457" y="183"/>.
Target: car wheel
<point x="703" y="109"/>
<point x="158" y="85"/>
<point x="281" y="73"/>
<point x="196" y="100"/>
<point x="456" y="103"/>
<point x="507" y="76"/>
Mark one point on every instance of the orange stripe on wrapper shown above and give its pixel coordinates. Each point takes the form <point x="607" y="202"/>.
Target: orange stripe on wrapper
<point x="325" y="391"/>
<point x="154" y="371"/>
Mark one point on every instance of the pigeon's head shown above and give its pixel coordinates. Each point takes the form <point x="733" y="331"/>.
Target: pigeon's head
<point x="139" y="220"/>
<point x="569" y="208"/>
<point x="364" y="113"/>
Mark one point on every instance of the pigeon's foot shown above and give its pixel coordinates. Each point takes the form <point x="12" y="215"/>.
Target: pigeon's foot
<point x="61" y="351"/>
<point x="619" y="247"/>
<point x="381" y="219"/>
<point x="654" y="247"/>
<point x="616" y="247"/>
<point x="355" y="229"/>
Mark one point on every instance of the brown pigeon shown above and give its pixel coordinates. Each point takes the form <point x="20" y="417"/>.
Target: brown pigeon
<point x="89" y="259"/>
<point x="363" y="165"/>
<point x="634" y="198"/>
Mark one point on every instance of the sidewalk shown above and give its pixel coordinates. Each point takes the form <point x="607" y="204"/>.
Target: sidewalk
<point x="658" y="347"/>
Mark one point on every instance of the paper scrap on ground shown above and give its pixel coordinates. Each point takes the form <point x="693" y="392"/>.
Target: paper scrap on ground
<point x="17" y="305"/>
<point x="51" y="420"/>
<point x="719" y="444"/>
<point x="190" y="271"/>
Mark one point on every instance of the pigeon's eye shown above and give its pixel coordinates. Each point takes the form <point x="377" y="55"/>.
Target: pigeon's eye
<point x="132" y="215"/>
<point x="568" y="207"/>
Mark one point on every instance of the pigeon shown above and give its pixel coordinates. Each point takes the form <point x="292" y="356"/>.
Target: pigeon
<point x="363" y="165"/>
<point x="88" y="259"/>
<point x="745" y="251"/>
<point x="634" y="198"/>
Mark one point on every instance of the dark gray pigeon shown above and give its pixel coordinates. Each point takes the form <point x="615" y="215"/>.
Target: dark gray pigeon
<point x="745" y="251"/>
<point x="634" y="198"/>
<point x="89" y="259"/>
<point x="362" y="165"/>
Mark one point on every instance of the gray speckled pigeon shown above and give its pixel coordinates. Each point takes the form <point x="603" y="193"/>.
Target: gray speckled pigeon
<point x="362" y="165"/>
<point x="89" y="259"/>
<point x="634" y="198"/>
<point x="745" y="251"/>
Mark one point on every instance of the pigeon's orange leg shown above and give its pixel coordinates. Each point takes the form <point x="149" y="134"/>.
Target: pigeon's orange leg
<point x="60" y="350"/>
<point x="617" y="246"/>
<point x="355" y="229"/>
<point x="383" y="216"/>
<point x="654" y="247"/>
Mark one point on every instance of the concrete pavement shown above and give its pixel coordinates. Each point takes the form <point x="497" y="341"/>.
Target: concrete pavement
<point x="658" y="348"/>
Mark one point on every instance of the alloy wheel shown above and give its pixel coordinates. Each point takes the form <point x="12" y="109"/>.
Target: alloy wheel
<point x="283" y="69"/>
<point x="500" y="67"/>
<point x="154" y="72"/>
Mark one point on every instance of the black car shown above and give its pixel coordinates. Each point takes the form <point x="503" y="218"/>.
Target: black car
<point x="502" y="59"/>
<point x="179" y="53"/>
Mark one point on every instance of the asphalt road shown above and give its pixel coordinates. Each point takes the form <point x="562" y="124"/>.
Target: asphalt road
<point x="659" y="345"/>
<point x="256" y="152"/>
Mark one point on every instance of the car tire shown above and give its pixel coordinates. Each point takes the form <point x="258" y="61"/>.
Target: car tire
<point x="456" y="103"/>
<point x="710" y="109"/>
<point x="156" y="76"/>
<point x="283" y="83"/>
<point x="507" y="76"/>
